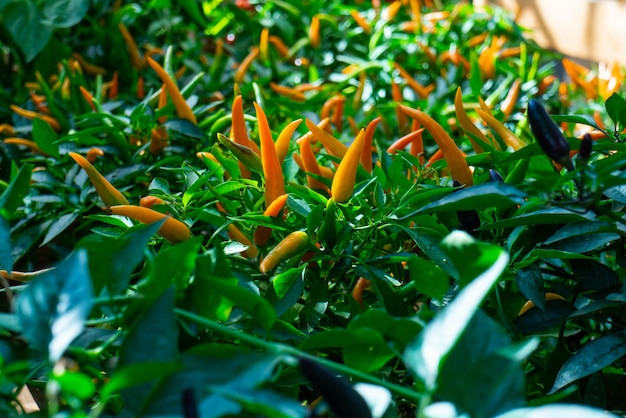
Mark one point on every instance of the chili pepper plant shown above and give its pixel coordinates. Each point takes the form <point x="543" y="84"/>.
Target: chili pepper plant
<point x="297" y="209"/>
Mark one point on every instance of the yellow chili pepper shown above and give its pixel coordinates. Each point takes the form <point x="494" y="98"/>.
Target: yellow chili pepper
<point x="345" y="177"/>
<point x="509" y="52"/>
<point x="509" y="102"/>
<point x="172" y="229"/>
<point x="454" y="156"/>
<point x="284" y="139"/>
<point x="366" y="155"/>
<point x="421" y="90"/>
<point x="235" y="234"/>
<point x="509" y="138"/>
<point x="530" y="304"/>
<point x="109" y="194"/>
<point x="7" y="129"/>
<point x="183" y="110"/>
<point x="263" y="44"/>
<point x="262" y="233"/>
<point x="29" y="114"/>
<point x="467" y="124"/>
<point x="323" y="124"/>
<point x="291" y="245"/>
<point x="314" y="32"/>
<point x="245" y="64"/>
<point x="137" y="62"/>
<point x="31" y="145"/>
<point x="332" y="144"/>
<point x="272" y="169"/>
<point x="310" y="166"/>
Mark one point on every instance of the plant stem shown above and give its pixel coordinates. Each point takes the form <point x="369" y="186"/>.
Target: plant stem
<point x="406" y="392"/>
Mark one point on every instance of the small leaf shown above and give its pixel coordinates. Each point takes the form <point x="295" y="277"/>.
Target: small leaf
<point x="6" y="249"/>
<point x="185" y="128"/>
<point x="614" y="106"/>
<point x="13" y="195"/>
<point x="54" y="307"/>
<point x="58" y="226"/>
<point x="45" y="137"/>
<point x="593" y="356"/>
<point x="530" y="283"/>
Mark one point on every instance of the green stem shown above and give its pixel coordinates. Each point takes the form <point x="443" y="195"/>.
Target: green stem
<point x="254" y="341"/>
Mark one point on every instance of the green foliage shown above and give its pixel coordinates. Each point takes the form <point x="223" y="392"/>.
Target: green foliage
<point x="414" y="297"/>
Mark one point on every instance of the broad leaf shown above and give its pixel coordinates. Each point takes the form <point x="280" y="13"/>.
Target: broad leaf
<point x="45" y="137"/>
<point x="53" y="309"/>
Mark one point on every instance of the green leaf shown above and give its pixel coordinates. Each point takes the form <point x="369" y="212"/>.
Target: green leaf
<point x="6" y="249"/>
<point x="14" y="194"/>
<point x="264" y="403"/>
<point x="530" y="283"/>
<point x="75" y="384"/>
<point x="474" y="359"/>
<point x="216" y="291"/>
<point x="64" y="13"/>
<point x="482" y="196"/>
<point x="53" y="309"/>
<point x="152" y="338"/>
<point x="425" y="355"/>
<point x="58" y="226"/>
<point x="22" y="19"/>
<point x="428" y="278"/>
<point x="593" y="356"/>
<point x="534" y="320"/>
<point x="593" y="275"/>
<point x="366" y="350"/>
<point x="184" y="128"/>
<point x="45" y="137"/>
<point x="614" y="106"/>
<point x="553" y="215"/>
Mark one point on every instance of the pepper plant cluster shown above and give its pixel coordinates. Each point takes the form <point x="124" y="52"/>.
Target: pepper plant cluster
<point x="297" y="209"/>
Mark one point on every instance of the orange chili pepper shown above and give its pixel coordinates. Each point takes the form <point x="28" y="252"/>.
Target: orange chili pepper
<point x="396" y="95"/>
<point x="7" y="129"/>
<point x="337" y="117"/>
<point x="545" y="82"/>
<point x="88" y="97"/>
<point x="598" y="119"/>
<point x="288" y="92"/>
<point x="509" y="102"/>
<point x="114" y="86"/>
<point x="310" y="166"/>
<point x="291" y="245"/>
<point x="172" y="229"/>
<point x="467" y="124"/>
<point x="272" y="169"/>
<point x="162" y="103"/>
<point x="403" y="142"/>
<point x="357" y="292"/>
<point x="107" y="192"/>
<point x="137" y="62"/>
<point x="323" y="124"/>
<point x="263" y="233"/>
<point x="93" y="154"/>
<point x="141" y="90"/>
<point x="29" y="114"/>
<point x="245" y="64"/>
<point x="509" y="52"/>
<point x="281" y="47"/>
<point x="509" y="138"/>
<point x="284" y="139"/>
<point x="183" y="110"/>
<point x="89" y="68"/>
<point x="417" y="146"/>
<point x="159" y="139"/>
<point x="149" y="201"/>
<point x="477" y="40"/>
<point x="238" y="130"/>
<point x="366" y="154"/>
<point x="454" y="156"/>
<point x="438" y="155"/>
<point x="421" y="90"/>
<point x="329" y="105"/>
<point x="314" y="32"/>
<point x="332" y="144"/>
<point x="361" y="21"/>
<point x="345" y="177"/>
<point x="31" y="145"/>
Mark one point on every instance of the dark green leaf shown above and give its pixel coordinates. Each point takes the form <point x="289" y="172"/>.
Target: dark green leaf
<point x="530" y="283"/>
<point x="428" y="278"/>
<point x="13" y="196"/>
<point x="593" y="356"/>
<point x="58" y="226"/>
<point x="45" y="137"/>
<point x="6" y="257"/>
<point x="185" y="128"/>
<point x="534" y="320"/>
<point x="53" y="309"/>
<point x="22" y="19"/>
<point x="614" y="106"/>
<point x="553" y="215"/>
<point x="486" y="195"/>
<point x="592" y="275"/>
<point x="366" y="350"/>
<point x="64" y="13"/>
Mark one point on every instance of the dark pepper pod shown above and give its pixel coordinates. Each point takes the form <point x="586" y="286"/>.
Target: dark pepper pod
<point x="342" y="399"/>
<point x="584" y="150"/>
<point x="548" y="135"/>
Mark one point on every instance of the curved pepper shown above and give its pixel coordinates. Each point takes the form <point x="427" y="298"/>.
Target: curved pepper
<point x="314" y="32"/>
<point x="291" y="245"/>
<point x="548" y="135"/>
<point x="284" y="139"/>
<point x="345" y="176"/>
<point x="183" y="110"/>
<point x="262" y="233"/>
<point x="366" y="155"/>
<point x="509" y="102"/>
<point x="454" y="156"/>
<point x="332" y="144"/>
<point x="245" y="64"/>
<point x="467" y="124"/>
<point x="310" y="166"/>
<point x="509" y="138"/>
<point x="109" y="194"/>
<point x="172" y="229"/>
